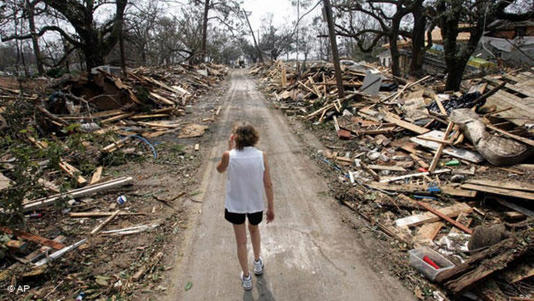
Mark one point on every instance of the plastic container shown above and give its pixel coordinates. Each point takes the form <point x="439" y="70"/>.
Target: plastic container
<point x="416" y="260"/>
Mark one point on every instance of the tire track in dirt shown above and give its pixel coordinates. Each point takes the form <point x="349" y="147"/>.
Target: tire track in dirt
<point x="308" y="252"/>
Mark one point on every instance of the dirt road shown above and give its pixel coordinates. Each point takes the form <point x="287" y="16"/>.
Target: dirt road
<point x="309" y="253"/>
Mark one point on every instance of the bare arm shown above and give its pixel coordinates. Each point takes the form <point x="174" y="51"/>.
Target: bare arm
<point x="268" y="185"/>
<point x="223" y="164"/>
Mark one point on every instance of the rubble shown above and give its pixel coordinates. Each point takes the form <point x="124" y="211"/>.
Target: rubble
<point x="62" y="143"/>
<point x="428" y="166"/>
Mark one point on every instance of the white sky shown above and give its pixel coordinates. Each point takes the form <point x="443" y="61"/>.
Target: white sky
<point x="282" y="11"/>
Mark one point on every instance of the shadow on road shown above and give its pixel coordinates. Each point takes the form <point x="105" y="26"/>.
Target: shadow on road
<point x="264" y="294"/>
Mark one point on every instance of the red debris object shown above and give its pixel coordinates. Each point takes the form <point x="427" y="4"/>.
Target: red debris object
<point x="421" y="169"/>
<point x="431" y="262"/>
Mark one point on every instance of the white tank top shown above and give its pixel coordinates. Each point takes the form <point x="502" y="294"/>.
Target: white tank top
<point x="244" y="186"/>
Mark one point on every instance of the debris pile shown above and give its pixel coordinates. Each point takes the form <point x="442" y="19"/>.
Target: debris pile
<point x="446" y="174"/>
<point x="61" y="150"/>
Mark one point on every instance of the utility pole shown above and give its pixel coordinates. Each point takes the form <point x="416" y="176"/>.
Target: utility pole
<point x="333" y="45"/>
<point x="254" y="37"/>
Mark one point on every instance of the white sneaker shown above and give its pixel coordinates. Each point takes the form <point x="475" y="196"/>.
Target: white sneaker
<point x="246" y="282"/>
<point x="258" y="267"/>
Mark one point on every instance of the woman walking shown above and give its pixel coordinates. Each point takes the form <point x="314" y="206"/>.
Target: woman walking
<point x="248" y="180"/>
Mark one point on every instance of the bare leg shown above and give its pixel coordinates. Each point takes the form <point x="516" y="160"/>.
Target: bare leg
<point x="256" y="240"/>
<point x="241" y="240"/>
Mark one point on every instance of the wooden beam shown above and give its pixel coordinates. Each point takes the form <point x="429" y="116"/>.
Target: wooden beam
<point x="445" y="217"/>
<point x="428" y="217"/>
<point x="96" y="175"/>
<point x="441" y="146"/>
<point x="34" y="238"/>
<point x="390" y="117"/>
<point x="500" y="191"/>
<point x="105" y="222"/>
<point x="515" y="185"/>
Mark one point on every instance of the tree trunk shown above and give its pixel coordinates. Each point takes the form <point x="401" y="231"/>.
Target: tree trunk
<point x="205" y="30"/>
<point x="418" y="41"/>
<point x="260" y="55"/>
<point x="395" y="55"/>
<point x="120" y="18"/>
<point x="35" y="38"/>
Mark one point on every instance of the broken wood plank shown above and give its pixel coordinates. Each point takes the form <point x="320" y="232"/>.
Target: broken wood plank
<point x="414" y="175"/>
<point x="116" y="145"/>
<point x="370" y="171"/>
<point x="451" y="151"/>
<point x="42" y="251"/>
<point x="415" y="188"/>
<point x="440" y="149"/>
<point x="105" y="222"/>
<point x="147" y="267"/>
<point x="500" y="191"/>
<point x="428" y="232"/>
<point x="390" y="231"/>
<point x="516" y="207"/>
<point x="72" y="171"/>
<point x="428" y="217"/>
<point x="386" y="167"/>
<point x="77" y="193"/>
<point x="34" y="238"/>
<point x="419" y="161"/>
<point x="60" y="253"/>
<point x="390" y="117"/>
<point x="100" y="214"/>
<point x="516" y="185"/>
<point x="96" y="175"/>
<point x="520" y="272"/>
<point x="445" y="217"/>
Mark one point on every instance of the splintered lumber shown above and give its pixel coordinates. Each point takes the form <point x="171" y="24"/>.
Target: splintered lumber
<point x="415" y="188"/>
<point x="105" y="222"/>
<point x="462" y="219"/>
<point x="414" y="175"/>
<point x="428" y="217"/>
<point x="390" y="231"/>
<point x="451" y="151"/>
<point x="370" y="171"/>
<point x="96" y="175"/>
<point x="116" y="145"/>
<point x="516" y="207"/>
<point x="500" y="191"/>
<point x="520" y="272"/>
<point x="390" y="117"/>
<point x="72" y="171"/>
<point x="516" y="137"/>
<point x="386" y="167"/>
<point x="59" y="253"/>
<point x="441" y="146"/>
<point x="34" y="238"/>
<point x="147" y="267"/>
<point x="99" y="214"/>
<point x="161" y="99"/>
<point x="428" y="232"/>
<point x="485" y="262"/>
<point x="516" y="185"/>
<point x="490" y="291"/>
<point x="37" y="254"/>
<point x="284" y="77"/>
<point x="419" y="161"/>
<point x="78" y="193"/>
<point x="445" y="217"/>
<point x="496" y="258"/>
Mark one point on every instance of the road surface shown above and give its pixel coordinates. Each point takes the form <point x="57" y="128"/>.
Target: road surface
<point x="309" y="253"/>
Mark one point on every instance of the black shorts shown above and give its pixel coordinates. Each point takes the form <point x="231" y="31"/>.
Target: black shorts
<point x="239" y="218"/>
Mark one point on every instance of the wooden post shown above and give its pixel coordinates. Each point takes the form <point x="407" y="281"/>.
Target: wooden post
<point x="333" y="45"/>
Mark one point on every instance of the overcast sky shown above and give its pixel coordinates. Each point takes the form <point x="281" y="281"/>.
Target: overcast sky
<point x="282" y="11"/>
